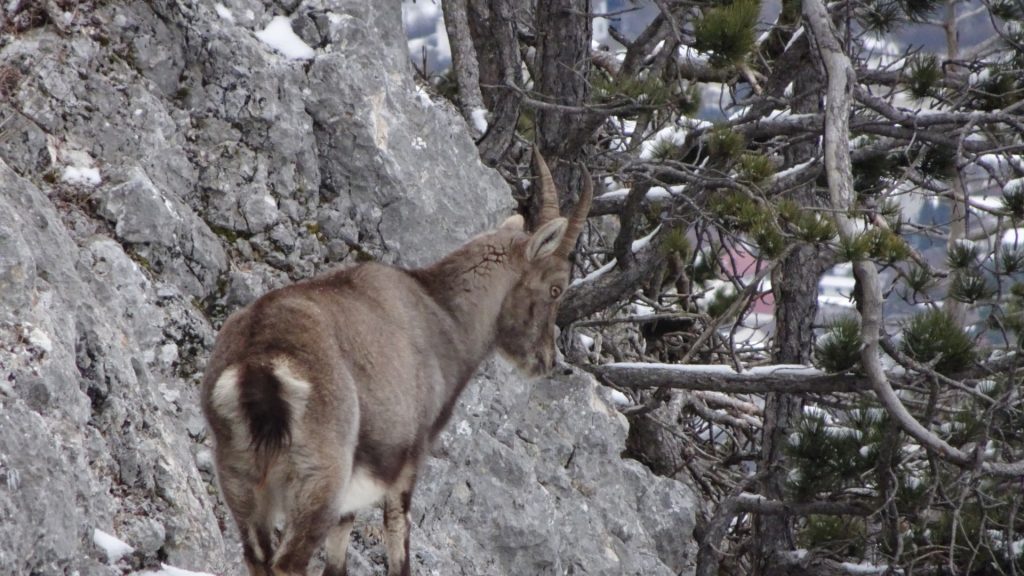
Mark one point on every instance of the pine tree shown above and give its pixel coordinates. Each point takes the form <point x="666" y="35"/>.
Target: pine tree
<point x="716" y="206"/>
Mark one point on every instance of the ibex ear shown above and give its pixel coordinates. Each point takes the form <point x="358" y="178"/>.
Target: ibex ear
<point x="513" y="222"/>
<point x="546" y="239"/>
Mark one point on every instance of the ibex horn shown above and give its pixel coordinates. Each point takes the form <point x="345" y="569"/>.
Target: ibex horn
<point x="579" y="216"/>
<point x="549" y="197"/>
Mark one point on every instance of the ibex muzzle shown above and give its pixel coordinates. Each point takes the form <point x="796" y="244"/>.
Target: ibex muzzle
<point x="323" y="396"/>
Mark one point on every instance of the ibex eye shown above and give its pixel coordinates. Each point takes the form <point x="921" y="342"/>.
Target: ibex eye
<point x="556" y="291"/>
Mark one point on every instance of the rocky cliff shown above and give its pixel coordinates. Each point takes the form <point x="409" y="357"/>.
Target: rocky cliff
<point x="162" y="163"/>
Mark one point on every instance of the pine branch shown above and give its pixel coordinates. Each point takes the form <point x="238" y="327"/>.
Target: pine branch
<point x="841" y="86"/>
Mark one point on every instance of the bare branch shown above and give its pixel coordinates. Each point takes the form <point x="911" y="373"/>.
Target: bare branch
<point x="784" y="379"/>
<point x="464" y="63"/>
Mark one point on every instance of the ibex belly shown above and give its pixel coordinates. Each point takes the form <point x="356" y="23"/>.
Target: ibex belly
<point x="362" y="491"/>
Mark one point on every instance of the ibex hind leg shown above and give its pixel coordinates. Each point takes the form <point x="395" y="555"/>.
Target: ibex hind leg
<point x="397" y="524"/>
<point x="336" y="546"/>
<point x="254" y="526"/>
<point x="313" y="511"/>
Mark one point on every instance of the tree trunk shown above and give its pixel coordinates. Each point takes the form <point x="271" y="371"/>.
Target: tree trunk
<point x="492" y="24"/>
<point x="464" y="63"/>
<point x="562" y="68"/>
<point x="795" y="287"/>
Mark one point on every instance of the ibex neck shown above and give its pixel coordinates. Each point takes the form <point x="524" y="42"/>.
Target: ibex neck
<point x="470" y="284"/>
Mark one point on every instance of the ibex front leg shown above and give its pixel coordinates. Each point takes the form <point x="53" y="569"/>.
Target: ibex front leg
<point x="397" y="524"/>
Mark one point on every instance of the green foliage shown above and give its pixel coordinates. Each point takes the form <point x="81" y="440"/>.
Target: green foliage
<point x="969" y="286"/>
<point x="827" y="456"/>
<point x="876" y="243"/>
<point x="807" y="225"/>
<point x="987" y="554"/>
<point x="838" y="350"/>
<point x="1011" y="261"/>
<point x="755" y="168"/>
<point x="705" y="267"/>
<point x="919" y="10"/>
<point x="676" y="242"/>
<point x="648" y="90"/>
<point x="1013" y="203"/>
<point x="855" y="248"/>
<point x="725" y="144"/>
<point x="687" y="100"/>
<point x="938" y="162"/>
<point x="526" y="126"/>
<point x="845" y="536"/>
<point x="727" y="32"/>
<point x="893" y="214"/>
<point x="1001" y="88"/>
<point x="665" y="150"/>
<point x="923" y="75"/>
<point x="447" y="85"/>
<point x="1013" y="312"/>
<point x="1008" y="10"/>
<point x="721" y="300"/>
<point x="920" y="279"/>
<point x="870" y="173"/>
<point x="885" y="16"/>
<point x="881" y="16"/>
<point x="962" y="256"/>
<point x="756" y="219"/>
<point x="935" y="337"/>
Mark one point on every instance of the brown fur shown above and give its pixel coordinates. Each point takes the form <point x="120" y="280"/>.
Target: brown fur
<point x="333" y="388"/>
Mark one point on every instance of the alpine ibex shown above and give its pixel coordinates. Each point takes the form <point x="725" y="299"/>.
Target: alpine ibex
<point x="323" y="396"/>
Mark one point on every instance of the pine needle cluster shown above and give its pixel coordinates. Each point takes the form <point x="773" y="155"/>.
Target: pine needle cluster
<point x="727" y="32"/>
<point x="838" y="350"/>
<point x="935" y="338"/>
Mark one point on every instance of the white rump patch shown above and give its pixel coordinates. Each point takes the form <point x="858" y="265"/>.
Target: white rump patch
<point x="224" y="397"/>
<point x="294" y="389"/>
<point x="363" y="490"/>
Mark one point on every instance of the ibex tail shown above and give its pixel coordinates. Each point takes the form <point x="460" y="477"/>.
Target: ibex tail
<point x="267" y="399"/>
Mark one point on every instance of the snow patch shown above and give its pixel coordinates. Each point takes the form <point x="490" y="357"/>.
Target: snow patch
<point x="166" y="570"/>
<point x="224" y="12"/>
<point x="637" y="245"/>
<point x="40" y="340"/>
<point x="479" y="117"/>
<point x="423" y="97"/>
<point x="280" y="36"/>
<point x="82" y="176"/>
<point x="112" y="546"/>
<point x="618" y="398"/>
<point x="655" y="194"/>
<point x="863" y="568"/>
<point x="586" y="341"/>
<point x="773" y="369"/>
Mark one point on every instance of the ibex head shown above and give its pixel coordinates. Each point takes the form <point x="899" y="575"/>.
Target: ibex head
<point x="526" y="325"/>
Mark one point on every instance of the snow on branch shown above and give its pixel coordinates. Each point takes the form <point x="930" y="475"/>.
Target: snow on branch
<point x="717" y="378"/>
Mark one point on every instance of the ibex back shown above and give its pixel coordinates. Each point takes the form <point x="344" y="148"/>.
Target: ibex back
<point x="323" y="396"/>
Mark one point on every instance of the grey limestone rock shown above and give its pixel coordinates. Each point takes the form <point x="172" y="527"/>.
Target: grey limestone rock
<point x="161" y="166"/>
